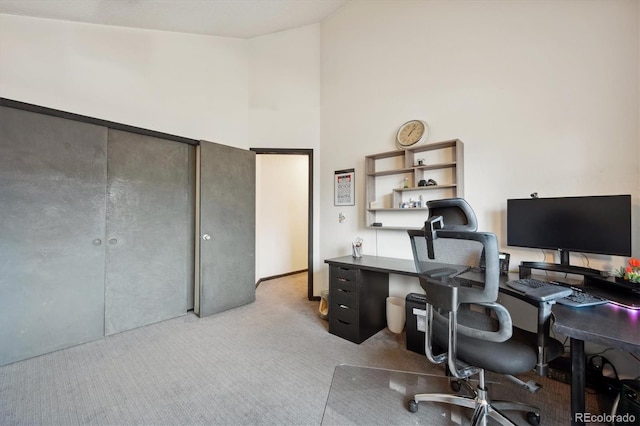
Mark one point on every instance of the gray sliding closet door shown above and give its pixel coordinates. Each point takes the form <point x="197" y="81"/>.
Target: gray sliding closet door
<point x="149" y="237"/>
<point x="52" y="227"/>
<point x="225" y="228"/>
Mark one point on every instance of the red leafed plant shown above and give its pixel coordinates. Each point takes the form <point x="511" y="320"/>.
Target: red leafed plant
<point x="631" y="272"/>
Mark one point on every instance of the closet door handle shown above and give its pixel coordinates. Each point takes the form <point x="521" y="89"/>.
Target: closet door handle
<point x="206" y="237"/>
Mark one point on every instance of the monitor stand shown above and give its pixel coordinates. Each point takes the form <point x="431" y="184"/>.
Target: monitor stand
<point x="597" y="284"/>
<point x="564" y="266"/>
<point x="526" y="267"/>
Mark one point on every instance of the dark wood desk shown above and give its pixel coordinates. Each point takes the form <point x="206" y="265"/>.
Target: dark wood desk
<point x="609" y="325"/>
<point x="374" y="306"/>
<point x="358" y="289"/>
<point x="389" y="265"/>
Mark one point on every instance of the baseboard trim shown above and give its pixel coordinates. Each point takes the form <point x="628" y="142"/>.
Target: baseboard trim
<point x="273" y="277"/>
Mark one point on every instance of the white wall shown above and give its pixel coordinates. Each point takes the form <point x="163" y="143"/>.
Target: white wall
<point x="284" y="104"/>
<point x="281" y="214"/>
<point x="263" y="92"/>
<point x="187" y="85"/>
<point x="284" y="89"/>
<point x="544" y="95"/>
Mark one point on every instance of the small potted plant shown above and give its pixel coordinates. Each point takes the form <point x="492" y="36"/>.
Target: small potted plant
<point x="630" y="273"/>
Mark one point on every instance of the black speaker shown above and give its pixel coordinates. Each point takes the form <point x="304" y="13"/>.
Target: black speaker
<point x="626" y="408"/>
<point x="502" y="257"/>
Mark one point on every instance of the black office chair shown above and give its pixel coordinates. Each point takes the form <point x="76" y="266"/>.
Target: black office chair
<point x="457" y="214"/>
<point x="472" y="339"/>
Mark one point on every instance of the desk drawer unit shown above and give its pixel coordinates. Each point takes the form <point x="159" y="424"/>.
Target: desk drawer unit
<point x="357" y="302"/>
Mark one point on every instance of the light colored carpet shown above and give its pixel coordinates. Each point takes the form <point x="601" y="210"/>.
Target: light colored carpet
<point x="270" y="362"/>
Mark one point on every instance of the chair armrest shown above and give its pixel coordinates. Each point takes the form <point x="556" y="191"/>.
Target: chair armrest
<point x="505" y="325"/>
<point x="443" y="296"/>
<point x="548" y="294"/>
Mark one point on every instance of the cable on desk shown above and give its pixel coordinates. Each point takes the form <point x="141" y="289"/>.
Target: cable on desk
<point x="544" y="260"/>
<point x="586" y="258"/>
<point x="601" y="352"/>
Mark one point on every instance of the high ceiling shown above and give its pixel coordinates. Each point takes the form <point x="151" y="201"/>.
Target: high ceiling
<point x="225" y="18"/>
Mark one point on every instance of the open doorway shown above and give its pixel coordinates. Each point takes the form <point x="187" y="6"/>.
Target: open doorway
<point x="285" y="171"/>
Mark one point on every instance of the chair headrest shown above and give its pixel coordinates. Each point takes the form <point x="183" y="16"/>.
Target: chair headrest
<point x="456" y="213"/>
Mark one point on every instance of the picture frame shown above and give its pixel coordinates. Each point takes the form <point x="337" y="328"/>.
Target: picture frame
<point x="344" y="187"/>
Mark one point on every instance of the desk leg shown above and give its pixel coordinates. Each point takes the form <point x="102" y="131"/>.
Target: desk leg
<point x="544" y="325"/>
<point x="578" y="366"/>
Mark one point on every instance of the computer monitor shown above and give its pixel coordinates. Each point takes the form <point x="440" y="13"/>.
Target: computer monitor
<point x="591" y="224"/>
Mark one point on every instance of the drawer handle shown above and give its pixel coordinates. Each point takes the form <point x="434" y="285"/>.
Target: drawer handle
<point x="344" y="322"/>
<point x="344" y="291"/>
<point x="343" y="307"/>
<point x="343" y="269"/>
<point x="344" y="280"/>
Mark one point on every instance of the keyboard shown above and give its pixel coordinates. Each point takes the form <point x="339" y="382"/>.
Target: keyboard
<point x="580" y="299"/>
<point x="544" y="291"/>
<point x="526" y="284"/>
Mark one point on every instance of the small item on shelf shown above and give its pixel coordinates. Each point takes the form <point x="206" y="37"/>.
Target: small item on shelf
<point x="414" y="204"/>
<point x="422" y="182"/>
<point x="405" y="183"/>
<point x="377" y="224"/>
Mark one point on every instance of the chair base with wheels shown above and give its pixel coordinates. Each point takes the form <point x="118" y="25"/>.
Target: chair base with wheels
<point x="481" y="404"/>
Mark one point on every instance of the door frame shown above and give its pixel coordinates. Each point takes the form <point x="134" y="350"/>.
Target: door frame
<point x="309" y="154"/>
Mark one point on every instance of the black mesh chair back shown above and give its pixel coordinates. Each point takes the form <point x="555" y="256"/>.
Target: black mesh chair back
<point x="466" y="328"/>
<point x="456" y="212"/>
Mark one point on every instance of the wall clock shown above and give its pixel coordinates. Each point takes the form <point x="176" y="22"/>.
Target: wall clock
<point x="411" y="133"/>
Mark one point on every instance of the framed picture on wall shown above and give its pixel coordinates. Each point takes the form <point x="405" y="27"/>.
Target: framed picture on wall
<point x="344" y="187"/>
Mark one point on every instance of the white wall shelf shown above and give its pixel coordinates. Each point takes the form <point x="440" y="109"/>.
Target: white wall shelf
<point x="441" y="161"/>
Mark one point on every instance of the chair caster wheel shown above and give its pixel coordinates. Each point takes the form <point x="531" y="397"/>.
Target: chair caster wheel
<point x="413" y="406"/>
<point x="533" y="419"/>
<point x="455" y="385"/>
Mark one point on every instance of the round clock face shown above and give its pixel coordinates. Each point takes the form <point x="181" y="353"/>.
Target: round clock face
<point x="411" y="133"/>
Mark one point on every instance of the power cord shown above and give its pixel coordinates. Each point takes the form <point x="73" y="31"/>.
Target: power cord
<point x="585" y="258"/>
<point x="595" y="374"/>
<point x="544" y="259"/>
